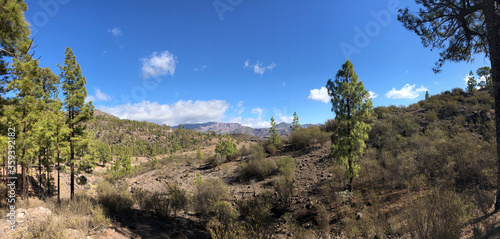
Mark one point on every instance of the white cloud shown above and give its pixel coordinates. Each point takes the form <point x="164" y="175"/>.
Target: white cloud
<point x="319" y="95"/>
<point x="259" y="122"/>
<point x="158" y="64"/>
<point x="201" y="68"/>
<point x="251" y="122"/>
<point x="98" y="96"/>
<point x="280" y="117"/>
<point x="258" y="111"/>
<point x="240" y="103"/>
<point x="258" y="68"/>
<point x="407" y="92"/>
<point x="181" y="112"/>
<point x="284" y="84"/>
<point x="373" y="95"/>
<point x="116" y="32"/>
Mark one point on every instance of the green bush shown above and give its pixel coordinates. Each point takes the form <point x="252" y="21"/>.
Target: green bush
<point x="207" y="193"/>
<point x="226" y="147"/>
<point x="285" y="166"/>
<point x="306" y="137"/>
<point x="215" y="160"/>
<point x="256" y="168"/>
<point x="177" y="198"/>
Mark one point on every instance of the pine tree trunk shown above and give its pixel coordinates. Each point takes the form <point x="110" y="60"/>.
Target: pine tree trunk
<point x="40" y="175"/>
<point x="492" y="20"/>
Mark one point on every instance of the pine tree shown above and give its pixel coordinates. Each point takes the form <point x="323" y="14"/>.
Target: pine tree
<point x="295" y="123"/>
<point x="26" y="110"/>
<point x="199" y="154"/>
<point x="427" y="95"/>
<point x="471" y="83"/>
<point x="78" y="111"/>
<point x="351" y="104"/>
<point x="274" y="138"/>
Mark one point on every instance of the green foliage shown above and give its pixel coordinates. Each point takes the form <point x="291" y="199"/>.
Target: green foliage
<point x="226" y="147"/>
<point x="306" y="137"/>
<point x="274" y="140"/>
<point x="286" y="166"/>
<point x="471" y="83"/>
<point x="427" y="95"/>
<point x="177" y="198"/>
<point x="199" y="154"/>
<point x="352" y="105"/>
<point x="259" y="168"/>
<point x="295" y="123"/>
<point x="207" y="193"/>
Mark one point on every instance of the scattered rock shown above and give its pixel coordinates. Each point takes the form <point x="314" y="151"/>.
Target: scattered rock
<point x="359" y="216"/>
<point x="309" y="205"/>
<point x="109" y="232"/>
<point x="73" y="234"/>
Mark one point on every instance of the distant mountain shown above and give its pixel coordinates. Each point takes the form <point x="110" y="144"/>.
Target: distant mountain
<point x="282" y="128"/>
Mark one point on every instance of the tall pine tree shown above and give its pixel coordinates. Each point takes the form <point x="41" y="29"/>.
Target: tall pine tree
<point x="78" y="112"/>
<point x="351" y="104"/>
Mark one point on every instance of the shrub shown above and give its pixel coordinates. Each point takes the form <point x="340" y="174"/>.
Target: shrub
<point x="47" y="228"/>
<point x="199" y="154"/>
<point x="177" y="198"/>
<point x="285" y="187"/>
<point x="224" y="212"/>
<point x="115" y="199"/>
<point x="226" y="147"/>
<point x="286" y="166"/>
<point x="215" y="160"/>
<point x="323" y="219"/>
<point x="256" y="213"/>
<point x="207" y="193"/>
<point x="256" y="168"/>
<point x="159" y="204"/>
<point x="440" y="214"/>
<point x="306" y="137"/>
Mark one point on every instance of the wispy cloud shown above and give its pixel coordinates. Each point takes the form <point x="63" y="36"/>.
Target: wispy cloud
<point x="407" y="92"/>
<point x="158" y="64"/>
<point x="258" y="68"/>
<point x="373" y="95"/>
<point x="116" y="32"/>
<point x="319" y="95"/>
<point x="181" y="112"/>
<point x="98" y="96"/>
<point x="200" y="68"/>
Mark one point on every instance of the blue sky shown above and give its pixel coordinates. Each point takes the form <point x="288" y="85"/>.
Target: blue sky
<point x="194" y="61"/>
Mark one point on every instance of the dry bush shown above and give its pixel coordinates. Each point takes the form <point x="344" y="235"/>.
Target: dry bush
<point x="256" y="213"/>
<point x="207" y="193"/>
<point x="440" y="214"/>
<point x="113" y="198"/>
<point x="323" y="219"/>
<point x="50" y="228"/>
<point x="285" y="188"/>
